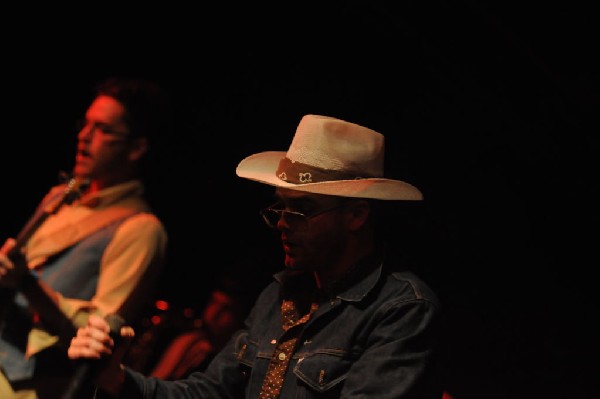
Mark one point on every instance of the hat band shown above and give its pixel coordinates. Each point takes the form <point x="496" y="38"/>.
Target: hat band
<point x="300" y="173"/>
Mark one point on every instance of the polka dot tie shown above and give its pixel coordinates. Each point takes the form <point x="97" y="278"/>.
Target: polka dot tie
<point x="283" y="352"/>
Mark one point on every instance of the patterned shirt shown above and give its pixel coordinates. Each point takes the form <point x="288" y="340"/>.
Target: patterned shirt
<point x="283" y="353"/>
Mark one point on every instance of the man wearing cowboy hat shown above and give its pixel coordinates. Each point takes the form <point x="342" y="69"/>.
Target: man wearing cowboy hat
<point x="343" y="319"/>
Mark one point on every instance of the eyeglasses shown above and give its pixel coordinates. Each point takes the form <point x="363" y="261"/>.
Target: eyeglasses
<point x="273" y="213"/>
<point x="104" y="129"/>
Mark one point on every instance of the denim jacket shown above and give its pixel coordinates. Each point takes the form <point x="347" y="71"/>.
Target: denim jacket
<point x="374" y="339"/>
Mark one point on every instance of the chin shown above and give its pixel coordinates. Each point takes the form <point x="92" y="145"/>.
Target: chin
<point x="81" y="175"/>
<point x="81" y="171"/>
<point x="289" y="262"/>
<point x="293" y="264"/>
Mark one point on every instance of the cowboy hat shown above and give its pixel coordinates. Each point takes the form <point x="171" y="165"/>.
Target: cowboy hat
<point x="329" y="156"/>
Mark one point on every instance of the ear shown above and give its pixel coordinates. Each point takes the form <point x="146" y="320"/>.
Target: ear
<point x="139" y="148"/>
<point x="358" y="214"/>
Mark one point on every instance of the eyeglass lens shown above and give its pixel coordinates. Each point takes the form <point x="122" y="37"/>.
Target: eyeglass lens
<point x="272" y="216"/>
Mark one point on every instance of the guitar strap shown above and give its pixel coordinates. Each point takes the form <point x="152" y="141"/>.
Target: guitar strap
<point x="43" y="247"/>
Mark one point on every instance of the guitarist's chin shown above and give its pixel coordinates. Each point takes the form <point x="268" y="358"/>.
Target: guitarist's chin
<point x="81" y="171"/>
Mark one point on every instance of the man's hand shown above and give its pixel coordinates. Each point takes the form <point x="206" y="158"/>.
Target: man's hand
<point x="11" y="272"/>
<point x="94" y="342"/>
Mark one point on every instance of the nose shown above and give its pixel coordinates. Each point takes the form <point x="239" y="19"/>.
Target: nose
<point x="86" y="132"/>
<point x="283" y="223"/>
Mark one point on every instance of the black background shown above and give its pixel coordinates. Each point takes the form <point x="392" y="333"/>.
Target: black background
<point x="490" y="109"/>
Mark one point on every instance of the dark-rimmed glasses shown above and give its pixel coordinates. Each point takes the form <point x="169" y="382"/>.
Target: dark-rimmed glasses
<point x="273" y="213"/>
<point x="104" y="129"/>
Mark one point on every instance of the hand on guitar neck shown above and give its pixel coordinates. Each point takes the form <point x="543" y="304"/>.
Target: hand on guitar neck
<point x="16" y="276"/>
<point x="13" y="266"/>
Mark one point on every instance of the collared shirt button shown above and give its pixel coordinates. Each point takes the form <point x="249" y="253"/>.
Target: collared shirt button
<point x="282" y="356"/>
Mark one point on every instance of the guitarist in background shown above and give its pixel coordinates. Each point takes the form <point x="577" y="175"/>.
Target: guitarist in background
<point x="99" y="251"/>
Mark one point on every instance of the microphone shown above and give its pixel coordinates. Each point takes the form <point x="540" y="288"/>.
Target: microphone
<point x="86" y="368"/>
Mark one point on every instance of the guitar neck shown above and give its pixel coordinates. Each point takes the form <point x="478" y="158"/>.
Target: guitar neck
<point x="40" y="297"/>
<point x="73" y="191"/>
<point x="42" y="300"/>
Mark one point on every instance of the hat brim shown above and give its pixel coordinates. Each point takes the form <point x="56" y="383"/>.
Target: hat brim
<point x="261" y="167"/>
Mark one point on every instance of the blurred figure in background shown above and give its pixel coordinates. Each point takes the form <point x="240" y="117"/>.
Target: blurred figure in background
<point x="192" y="350"/>
<point x="93" y="246"/>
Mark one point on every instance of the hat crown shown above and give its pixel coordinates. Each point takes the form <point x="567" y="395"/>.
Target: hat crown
<point x="333" y="144"/>
<point x="329" y="156"/>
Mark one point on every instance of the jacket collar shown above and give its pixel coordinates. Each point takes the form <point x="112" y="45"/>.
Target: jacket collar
<point x="353" y="286"/>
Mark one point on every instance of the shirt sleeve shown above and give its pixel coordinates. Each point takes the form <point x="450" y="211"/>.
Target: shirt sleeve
<point x="220" y="383"/>
<point x="129" y="268"/>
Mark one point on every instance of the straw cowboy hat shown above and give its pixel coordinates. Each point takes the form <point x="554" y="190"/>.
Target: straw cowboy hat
<point x="329" y="156"/>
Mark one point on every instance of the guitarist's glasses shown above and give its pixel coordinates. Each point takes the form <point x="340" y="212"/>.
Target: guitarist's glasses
<point x="103" y="129"/>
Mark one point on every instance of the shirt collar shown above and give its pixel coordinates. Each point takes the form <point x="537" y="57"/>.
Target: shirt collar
<point x="113" y="194"/>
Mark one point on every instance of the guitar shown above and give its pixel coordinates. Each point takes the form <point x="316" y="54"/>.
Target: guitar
<point x="43" y="303"/>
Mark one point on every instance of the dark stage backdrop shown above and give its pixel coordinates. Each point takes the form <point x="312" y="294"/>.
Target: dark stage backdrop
<point x="490" y="109"/>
